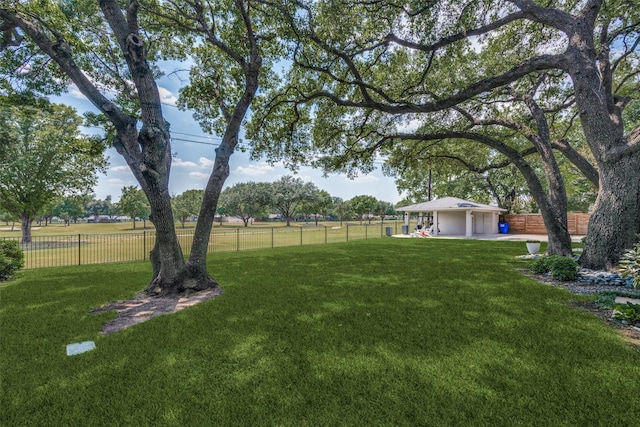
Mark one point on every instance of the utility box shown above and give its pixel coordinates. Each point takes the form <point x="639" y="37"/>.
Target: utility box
<point x="389" y="231"/>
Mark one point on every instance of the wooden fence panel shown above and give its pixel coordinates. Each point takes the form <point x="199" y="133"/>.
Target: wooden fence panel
<point x="533" y="224"/>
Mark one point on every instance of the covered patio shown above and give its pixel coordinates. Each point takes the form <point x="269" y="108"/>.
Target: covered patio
<point x="451" y="216"/>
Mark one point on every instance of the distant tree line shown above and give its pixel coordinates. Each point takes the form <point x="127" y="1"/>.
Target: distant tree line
<point x="289" y="199"/>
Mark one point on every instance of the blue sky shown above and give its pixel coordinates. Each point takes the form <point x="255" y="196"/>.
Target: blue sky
<point x="194" y="157"/>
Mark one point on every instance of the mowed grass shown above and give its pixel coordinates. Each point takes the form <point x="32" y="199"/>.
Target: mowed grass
<point x="58" y="229"/>
<point x="379" y="332"/>
<point x="79" y="244"/>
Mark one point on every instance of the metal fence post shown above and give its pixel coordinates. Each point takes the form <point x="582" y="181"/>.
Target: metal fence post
<point x="144" y="245"/>
<point x="79" y="251"/>
<point x="300" y="236"/>
<point x="325" y="234"/>
<point x="272" y="243"/>
<point x="237" y="240"/>
<point x="347" y="231"/>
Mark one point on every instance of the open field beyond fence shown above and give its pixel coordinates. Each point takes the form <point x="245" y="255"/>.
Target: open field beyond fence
<point x="50" y="250"/>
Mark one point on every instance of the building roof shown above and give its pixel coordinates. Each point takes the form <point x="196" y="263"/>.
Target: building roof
<point x="449" y="204"/>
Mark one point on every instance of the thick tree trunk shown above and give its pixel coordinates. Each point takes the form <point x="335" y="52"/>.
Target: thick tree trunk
<point x="166" y="257"/>
<point x="198" y="257"/>
<point x="553" y="206"/>
<point x="148" y="151"/>
<point x="25" y="226"/>
<point x="615" y="219"/>
<point x="200" y="245"/>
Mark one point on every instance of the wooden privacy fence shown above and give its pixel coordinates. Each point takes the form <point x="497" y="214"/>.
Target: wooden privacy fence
<point x="577" y="223"/>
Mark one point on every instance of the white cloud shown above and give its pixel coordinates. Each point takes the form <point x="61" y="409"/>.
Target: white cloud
<point x="120" y="169"/>
<point x="205" y="163"/>
<point x="410" y="124"/>
<point x="198" y="175"/>
<point x="259" y="169"/>
<point x="365" y="179"/>
<point x="116" y="181"/>
<point x="166" y="96"/>
<point x="179" y="163"/>
<point x="75" y="92"/>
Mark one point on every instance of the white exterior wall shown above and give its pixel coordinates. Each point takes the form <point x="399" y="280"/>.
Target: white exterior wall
<point x="485" y="223"/>
<point x="494" y="222"/>
<point x="452" y="223"/>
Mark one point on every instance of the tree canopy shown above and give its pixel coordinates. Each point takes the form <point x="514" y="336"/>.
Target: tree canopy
<point x="246" y="200"/>
<point x="44" y="158"/>
<point x="364" y="72"/>
<point x="109" y="50"/>
<point x="134" y="203"/>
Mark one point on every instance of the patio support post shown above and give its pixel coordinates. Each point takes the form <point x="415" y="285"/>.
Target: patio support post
<point x="435" y="223"/>
<point x="468" y="231"/>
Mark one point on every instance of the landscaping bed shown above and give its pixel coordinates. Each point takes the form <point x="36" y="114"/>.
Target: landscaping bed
<point x="631" y="332"/>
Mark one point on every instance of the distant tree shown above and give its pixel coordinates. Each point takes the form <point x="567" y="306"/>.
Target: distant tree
<point x="246" y="200"/>
<point x="187" y="205"/>
<point x="287" y="194"/>
<point x="383" y="208"/>
<point x="344" y="211"/>
<point x="7" y="217"/>
<point x="47" y="213"/>
<point x="364" y="206"/>
<point x="98" y="207"/>
<point x="70" y="208"/>
<point x="44" y="157"/>
<point x="134" y="203"/>
<point x="318" y="204"/>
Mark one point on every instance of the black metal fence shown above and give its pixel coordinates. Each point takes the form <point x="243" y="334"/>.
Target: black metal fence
<point x="79" y="249"/>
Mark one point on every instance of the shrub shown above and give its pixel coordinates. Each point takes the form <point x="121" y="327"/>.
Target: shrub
<point x="605" y="300"/>
<point x="11" y="258"/>
<point x="561" y="267"/>
<point x="541" y="265"/>
<point x="630" y="265"/>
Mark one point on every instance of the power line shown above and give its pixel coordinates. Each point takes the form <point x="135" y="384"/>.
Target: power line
<point x="197" y="136"/>
<point x="195" y="142"/>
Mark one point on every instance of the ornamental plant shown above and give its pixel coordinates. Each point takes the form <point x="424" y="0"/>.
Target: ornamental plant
<point x="11" y="258"/>
<point x="628" y="312"/>
<point x="561" y="267"/>
<point x="630" y="265"/>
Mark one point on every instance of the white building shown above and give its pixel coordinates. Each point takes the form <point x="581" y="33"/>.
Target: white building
<point x="455" y="217"/>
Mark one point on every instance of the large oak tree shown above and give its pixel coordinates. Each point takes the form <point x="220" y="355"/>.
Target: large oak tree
<point x="360" y="65"/>
<point x="108" y="50"/>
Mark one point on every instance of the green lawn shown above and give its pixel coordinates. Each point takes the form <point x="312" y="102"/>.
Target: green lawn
<point x="379" y="332"/>
<point x="57" y="245"/>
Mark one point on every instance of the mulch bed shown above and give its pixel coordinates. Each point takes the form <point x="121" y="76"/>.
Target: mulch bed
<point x="145" y="307"/>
